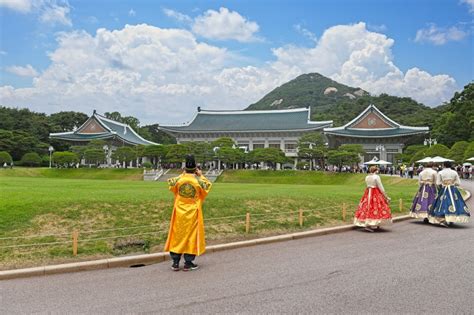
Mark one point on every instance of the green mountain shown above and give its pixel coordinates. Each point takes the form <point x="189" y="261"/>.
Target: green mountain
<point x="330" y="100"/>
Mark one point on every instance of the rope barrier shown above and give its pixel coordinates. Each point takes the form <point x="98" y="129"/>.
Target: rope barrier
<point x="257" y="218"/>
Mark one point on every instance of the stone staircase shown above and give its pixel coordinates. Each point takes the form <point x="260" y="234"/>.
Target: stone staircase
<point x="212" y="175"/>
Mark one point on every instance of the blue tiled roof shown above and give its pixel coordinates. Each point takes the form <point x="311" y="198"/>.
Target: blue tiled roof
<point x="276" y="120"/>
<point x="114" y="130"/>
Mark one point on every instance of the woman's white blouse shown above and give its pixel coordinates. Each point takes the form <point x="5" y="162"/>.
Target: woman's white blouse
<point x="447" y="175"/>
<point x="373" y="180"/>
<point x="428" y="175"/>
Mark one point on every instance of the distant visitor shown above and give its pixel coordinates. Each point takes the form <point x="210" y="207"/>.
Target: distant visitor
<point x="449" y="206"/>
<point x="373" y="209"/>
<point x="426" y="195"/>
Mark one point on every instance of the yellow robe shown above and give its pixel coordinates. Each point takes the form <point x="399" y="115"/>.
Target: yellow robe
<point x="186" y="234"/>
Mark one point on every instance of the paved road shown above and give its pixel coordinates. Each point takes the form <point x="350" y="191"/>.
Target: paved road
<point x="408" y="268"/>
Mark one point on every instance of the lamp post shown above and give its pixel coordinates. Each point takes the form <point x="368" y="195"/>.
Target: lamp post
<point x="429" y="141"/>
<point x="215" y="149"/>
<point x="106" y="151"/>
<point x="50" y="149"/>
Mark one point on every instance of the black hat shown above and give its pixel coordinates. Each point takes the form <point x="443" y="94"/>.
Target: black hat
<point x="190" y="163"/>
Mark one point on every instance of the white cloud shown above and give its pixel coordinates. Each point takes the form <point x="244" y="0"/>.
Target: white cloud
<point x="55" y="14"/>
<point x="22" y="6"/>
<point x="26" y="71"/>
<point x="51" y="12"/>
<point x="440" y="36"/>
<point x="3" y="52"/>
<point x="161" y="75"/>
<point x="132" y="12"/>
<point x="177" y="15"/>
<point x="470" y="3"/>
<point x="305" y="32"/>
<point x="224" y="25"/>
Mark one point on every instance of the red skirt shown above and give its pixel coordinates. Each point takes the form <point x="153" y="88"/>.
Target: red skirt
<point x="373" y="209"/>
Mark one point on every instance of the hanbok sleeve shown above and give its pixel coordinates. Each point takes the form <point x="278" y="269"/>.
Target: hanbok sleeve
<point x="378" y="181"/>
<point x="439" y="180"/>
<point x="205" y="185"/>
<point x="457" y="181"/>
<point x="172" y="184"/>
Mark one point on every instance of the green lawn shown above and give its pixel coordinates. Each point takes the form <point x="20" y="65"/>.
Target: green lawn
<point x="32" y="206"/>
<point x="73" y="173"/>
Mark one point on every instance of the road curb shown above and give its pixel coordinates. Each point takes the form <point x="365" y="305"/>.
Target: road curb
<point x="147" y="259"/>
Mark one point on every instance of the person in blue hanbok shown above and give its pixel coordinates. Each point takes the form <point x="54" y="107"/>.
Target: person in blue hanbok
<point x="449" y="206"/>
<point x="426" y="195"/>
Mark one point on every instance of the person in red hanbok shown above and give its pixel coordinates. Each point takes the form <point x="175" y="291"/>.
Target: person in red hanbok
<point x="373" y="209"/>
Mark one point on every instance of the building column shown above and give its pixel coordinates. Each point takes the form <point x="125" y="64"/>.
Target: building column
<point x="250" y="145"/>
<point x="266" y="143"/>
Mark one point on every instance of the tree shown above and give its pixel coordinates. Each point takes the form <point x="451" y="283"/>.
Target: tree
<point x="65" y="158"/>
<point x="268" y="155"/>
<point x="457" y="151"/>
<point x="341" y="158"/>
<point x="66" y="121"/>
<point x="31" y="159"/>
<point x="469" y="153"/>
<point x="223" y="142"/>
<point x="437" y="150"/>
<point x="156" y="153"/>
<point x="355" y="148"/>
<point x="421" y="154"/>
<point x="176" y="153"/>
<point x="94" y="156"/>
<point x="312" y="146"/>
<point x="124" y="154"/>
<point x="5" y="157"/>
<point x="457" y="121"/>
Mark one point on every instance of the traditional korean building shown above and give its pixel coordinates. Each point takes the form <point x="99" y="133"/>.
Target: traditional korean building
<point x="379" y="135"/>
<point x="250" y="129"/>
<point x="98" y="127"/>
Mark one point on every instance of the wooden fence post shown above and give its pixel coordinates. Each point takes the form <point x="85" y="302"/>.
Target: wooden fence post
<point x="300" y="217"/>
<point x="344" y="209"/>
<point x="75" y="237"/>
<point x="247" y="222"/>
<point x="401" y="205"/>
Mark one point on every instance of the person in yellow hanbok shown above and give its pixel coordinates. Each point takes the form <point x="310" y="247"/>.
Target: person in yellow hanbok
<point x="186" y="233"/>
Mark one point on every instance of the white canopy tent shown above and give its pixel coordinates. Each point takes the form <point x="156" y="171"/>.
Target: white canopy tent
<point x="425" y="160"/>
<point x="440" y="159"/>
<point x="376" y="161"/>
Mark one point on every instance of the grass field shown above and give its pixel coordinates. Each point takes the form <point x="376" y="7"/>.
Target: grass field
<point x="74" y="173"/>
<point x="35" y="206"/>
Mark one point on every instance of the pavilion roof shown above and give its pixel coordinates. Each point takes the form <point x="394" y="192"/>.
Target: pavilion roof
<point x="249" y="121"/>
<point x="100" y="127"/>
<point x="372" y="123"/>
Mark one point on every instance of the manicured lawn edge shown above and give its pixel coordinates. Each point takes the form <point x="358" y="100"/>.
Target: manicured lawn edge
<point x="147" y="259"/>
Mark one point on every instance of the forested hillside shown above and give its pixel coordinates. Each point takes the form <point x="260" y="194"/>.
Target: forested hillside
<point x="330" y="100"/>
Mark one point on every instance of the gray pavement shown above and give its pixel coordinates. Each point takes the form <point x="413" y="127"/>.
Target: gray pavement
<point x="409" y="267"/>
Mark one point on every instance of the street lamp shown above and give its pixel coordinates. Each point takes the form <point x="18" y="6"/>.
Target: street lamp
<point x="106" y="151"/>
<point x="215" y="149"/>
<point x="430" y="141"/>
<point x="380" y="148"/>
<point x="50" y="149"/>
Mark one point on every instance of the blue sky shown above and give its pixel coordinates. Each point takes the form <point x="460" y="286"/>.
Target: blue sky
<point x="158" y="60"/>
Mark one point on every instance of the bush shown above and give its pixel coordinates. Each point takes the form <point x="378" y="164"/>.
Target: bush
<point x="5" y="157"/>
<point x="31" y="159"/>
<point x="147" y="165"/>
<point x="65" y="158"/>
